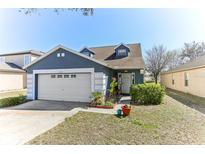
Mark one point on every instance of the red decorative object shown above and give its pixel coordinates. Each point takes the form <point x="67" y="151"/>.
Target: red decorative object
<point x="104" y="107"/>
<point x="126" y="110"/>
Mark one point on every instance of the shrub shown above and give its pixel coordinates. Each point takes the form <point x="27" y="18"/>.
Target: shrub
<point x="113" y="88"/>
<point x="108" y="103"/>
<point x="11" y="101"/>
<point x="97" y="98"/>
<point x="147" y="93"/>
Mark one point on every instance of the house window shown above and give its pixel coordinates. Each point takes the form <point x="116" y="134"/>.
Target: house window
<point x="66" y="76"/>
<point x="2" y="59"/>
<point x="121" y="52"/>
<point x="26" y="59"/>
<point x="172" y="79"/>
<point x="186" y="80"/>
<point x="53" y="76"/>
<point x="73" y="76"/>
<point x="58" y="54"/>
<point x="59" y="76"/>
<point x="63" y="54"/>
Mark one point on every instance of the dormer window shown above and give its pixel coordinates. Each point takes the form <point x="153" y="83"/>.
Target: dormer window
<point x="87" y="52"/>
<point x="122" y="52"/>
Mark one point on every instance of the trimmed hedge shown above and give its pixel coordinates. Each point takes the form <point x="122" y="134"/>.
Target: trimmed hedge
<point x="11" y="101"/>
<point x="147" y="93"/>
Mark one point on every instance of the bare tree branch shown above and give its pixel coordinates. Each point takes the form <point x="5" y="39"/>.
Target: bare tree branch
<point x="84" y="11"/>
<point x="156" y="60"/>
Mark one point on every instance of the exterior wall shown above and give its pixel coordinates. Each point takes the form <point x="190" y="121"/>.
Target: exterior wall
<point x="70" y="61"/>
<point x="16" y="59"/>
<point x="103" y="74"/>
<point x="33" y="57"/>
<point x="196" y="80"/>
<point x="11" y="81"/>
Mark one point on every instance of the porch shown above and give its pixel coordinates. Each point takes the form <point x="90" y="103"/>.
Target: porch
<point x="126" y="78"/>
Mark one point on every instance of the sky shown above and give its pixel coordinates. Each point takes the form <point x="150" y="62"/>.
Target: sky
<point x="45" y="29"/>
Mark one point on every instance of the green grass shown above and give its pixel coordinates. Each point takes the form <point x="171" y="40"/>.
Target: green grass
<point x="12" y="93"/>
<point x="167" y="123"/>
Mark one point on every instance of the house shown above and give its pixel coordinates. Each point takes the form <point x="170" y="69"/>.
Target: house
<point x="12" y="75"/>
<point x="187" y="78"/>
<point x="67" y="75"/>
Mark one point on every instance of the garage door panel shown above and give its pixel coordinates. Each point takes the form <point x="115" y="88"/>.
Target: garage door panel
<point x="65" y="89"/>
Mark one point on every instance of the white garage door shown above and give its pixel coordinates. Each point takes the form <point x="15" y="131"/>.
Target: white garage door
<point x="65" y="87"/>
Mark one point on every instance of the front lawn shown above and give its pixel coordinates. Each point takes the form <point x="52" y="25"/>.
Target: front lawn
<point x="168" y="123"/>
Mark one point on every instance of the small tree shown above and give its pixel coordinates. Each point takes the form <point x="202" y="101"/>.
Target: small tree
<point x="156" y="60"/>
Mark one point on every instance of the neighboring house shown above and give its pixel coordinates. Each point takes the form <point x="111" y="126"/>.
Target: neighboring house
<point x="12" y="75"/>
<point x="66" y="75"/>
<point x="188" y="78"/>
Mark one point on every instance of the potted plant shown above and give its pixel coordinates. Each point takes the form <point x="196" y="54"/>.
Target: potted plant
<point x="126" y="109"/>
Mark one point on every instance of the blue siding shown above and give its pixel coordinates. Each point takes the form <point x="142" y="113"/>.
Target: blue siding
<point x="69" y="61"/>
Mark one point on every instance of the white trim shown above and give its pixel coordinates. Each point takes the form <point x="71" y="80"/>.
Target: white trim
<point x="78" y="70"/>
<point x="33" y="91"/>
<point x="66" y="49"/>
<point x="120" y="45"/>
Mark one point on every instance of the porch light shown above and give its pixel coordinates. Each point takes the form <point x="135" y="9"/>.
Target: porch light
<point x="125" y="71"/>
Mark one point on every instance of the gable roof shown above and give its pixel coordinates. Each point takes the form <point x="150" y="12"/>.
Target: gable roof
<point x="199" y="62"/>
<point x="68" y="50"/>
<point x="10" y="67"/>
<point x="121" y="44"/>
<point x="106" y="54"/>
<point x="34" y="52"/>
<point x="85" y="48"/>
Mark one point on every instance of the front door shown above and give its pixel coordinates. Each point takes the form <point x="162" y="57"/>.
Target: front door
<point x="126" y="82"/>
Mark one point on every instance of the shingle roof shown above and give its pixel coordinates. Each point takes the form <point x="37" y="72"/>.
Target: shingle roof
<point x="10" y="67"/>
<point x="35" y="52"/>
<point x="106" y="54"/>
<point x="199" y="62"/>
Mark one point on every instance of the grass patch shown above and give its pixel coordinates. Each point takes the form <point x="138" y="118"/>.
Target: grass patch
<point x="11" y="101"/>
<point x="140" y="123"/>
<point x="167" y="123"/>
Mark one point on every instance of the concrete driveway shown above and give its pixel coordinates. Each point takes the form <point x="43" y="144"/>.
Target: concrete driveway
<point x="22" y="123"/>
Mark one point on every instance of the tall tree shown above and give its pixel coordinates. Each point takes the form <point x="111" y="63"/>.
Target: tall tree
<point x="192" y="50"/>
<point x="174" y="59"/>
<point x="157" y="59"/>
